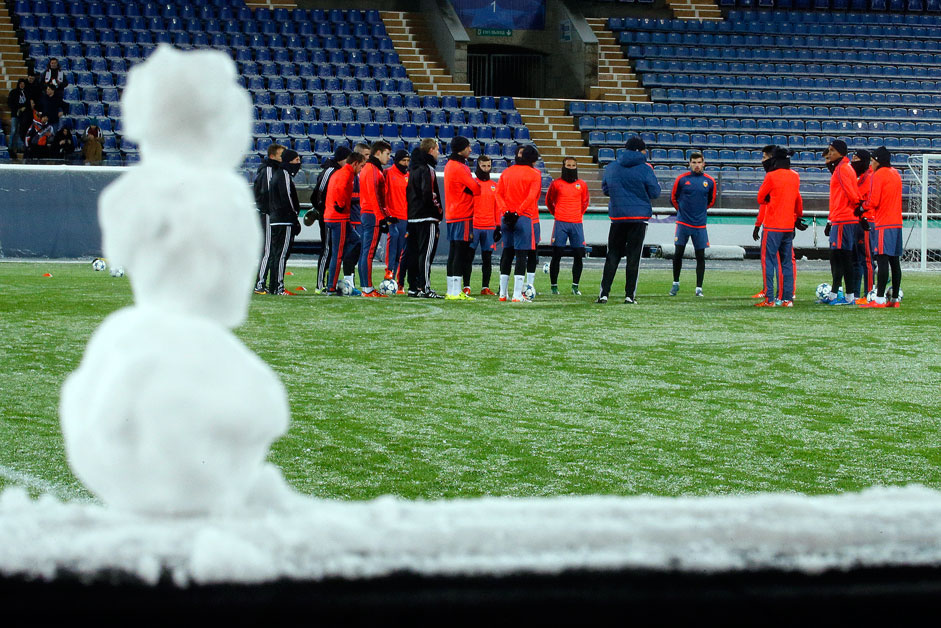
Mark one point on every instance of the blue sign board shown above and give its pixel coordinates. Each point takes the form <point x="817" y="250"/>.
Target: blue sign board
<point x="512" y="14"/>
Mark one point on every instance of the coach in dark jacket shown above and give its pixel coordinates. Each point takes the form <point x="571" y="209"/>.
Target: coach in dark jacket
<point x="424" y="214"/>
<point x="282" y="214"/>
<point x="631" y="184"/>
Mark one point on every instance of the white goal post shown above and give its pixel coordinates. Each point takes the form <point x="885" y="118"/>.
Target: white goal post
<point x="921" y="236"/>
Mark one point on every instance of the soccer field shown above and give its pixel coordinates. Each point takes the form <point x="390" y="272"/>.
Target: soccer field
<point x="431" y="399"/>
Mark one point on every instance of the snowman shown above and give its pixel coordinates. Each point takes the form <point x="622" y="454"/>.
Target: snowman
<point x="168" y="412"/>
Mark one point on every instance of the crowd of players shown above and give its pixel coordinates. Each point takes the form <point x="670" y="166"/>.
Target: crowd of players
<point x="359" y="198"/>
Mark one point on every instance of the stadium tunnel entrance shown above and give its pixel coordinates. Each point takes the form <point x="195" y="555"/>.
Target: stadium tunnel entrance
<point x="501" y="70"/>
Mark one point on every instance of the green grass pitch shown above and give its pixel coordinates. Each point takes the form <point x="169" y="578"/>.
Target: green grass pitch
<point x="434" y="399"/>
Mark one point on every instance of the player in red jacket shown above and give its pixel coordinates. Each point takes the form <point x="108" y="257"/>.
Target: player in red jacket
<point x="767" y="162"/>
<point x="375" y="214"/>
<point x="519" y="188"/>
<point x="396" y="179"/>
<point x="780" y="191"/>
<point x="567" y="201"/>
<point x="488" y="209"/>
<point x="460" y="188"/>
<point x="862" y="255"/>
<point x="337" y="216"/>
<point x="843" y="222"/>
<point x="884" y="207"/>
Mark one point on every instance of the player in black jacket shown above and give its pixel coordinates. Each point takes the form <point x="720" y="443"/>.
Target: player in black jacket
<point x="424" y="216"/>
<point x="318" y="200"/>
<point x="283" y="209"/>
<point x="263" y="176"/>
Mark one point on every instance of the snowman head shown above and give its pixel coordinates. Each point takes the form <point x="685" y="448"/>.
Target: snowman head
<point x="187" y="106"/>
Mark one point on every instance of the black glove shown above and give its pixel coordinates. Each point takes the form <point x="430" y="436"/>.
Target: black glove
<point x="859" y="209"/>
<point x="826" y="230"/>
<point x="497" y="234"/>
<point x="383" y="226"/>
<point x="392" y="220"/>
<point x="311" y="217"/>
<point x="468" y="191"/>
<point x="339" y="209"/>
<point x="863" y="224"/>
<point x="510" y="218"/>
<point x="800" y="225"/>
<point x="755" y="232"/>
<point x="295" y="227"/>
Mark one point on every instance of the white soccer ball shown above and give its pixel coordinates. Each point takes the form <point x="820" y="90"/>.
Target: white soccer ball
<point x="117" y="271"/>
<point x="823" y="291"/>
<point x="388" y="287"/>
<point x="529" y="292"/>
<point x="345" y="288"/>
<point x="889" y="289"/>
<point x="98" y="264"/>
<point x="871" y="295"/>
<point x="545" y="268"/>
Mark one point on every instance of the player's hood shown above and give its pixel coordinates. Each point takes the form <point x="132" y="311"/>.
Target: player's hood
<point x="630" y="158"/>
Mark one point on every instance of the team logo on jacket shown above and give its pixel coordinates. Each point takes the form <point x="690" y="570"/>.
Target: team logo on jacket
<point x="578" y="186"/>
<point x="687" y="182"/>
<point x="705" y="184"/>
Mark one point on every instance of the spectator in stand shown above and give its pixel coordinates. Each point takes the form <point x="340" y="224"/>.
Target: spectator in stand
<point x="33" y="89"/>
<point x="54" y="76"/>
<point x="52" y="105"/>
<point x="20" y="112"/>
<point x="92" y="147"/>
<point x="63" y="144"/>
<point x="39" y="137"/>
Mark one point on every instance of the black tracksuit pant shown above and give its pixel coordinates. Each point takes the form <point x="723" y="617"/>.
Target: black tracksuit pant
<point x="625" y="239"/>
<point x="422" y="242"/>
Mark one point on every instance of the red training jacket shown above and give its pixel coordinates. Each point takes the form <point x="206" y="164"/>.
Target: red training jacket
<point x="844" y="193"/>
<point x="885" y="199"/>
<point x="458" y="205"/>
<point x="567" y="202"/>
<point x="488" y="208"/>
<point x="396" y="182"/>
<point x="781" y="192"/>
<point x="339" y="192"/>
<point x="519" y="189"/>
<point x="372" y="191"/>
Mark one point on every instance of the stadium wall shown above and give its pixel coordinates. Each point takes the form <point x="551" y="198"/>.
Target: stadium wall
<point x="450" y="37"/>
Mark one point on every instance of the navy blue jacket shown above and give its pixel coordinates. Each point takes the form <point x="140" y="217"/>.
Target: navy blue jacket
<point x="631" y="184"/>
<point x="692" y="195"/>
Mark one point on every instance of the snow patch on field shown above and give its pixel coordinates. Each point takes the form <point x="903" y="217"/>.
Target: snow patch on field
<point x="315" y="539"/>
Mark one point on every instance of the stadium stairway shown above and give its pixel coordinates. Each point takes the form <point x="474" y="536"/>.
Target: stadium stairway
<point x="616" y="78"/>
<point x="695" y="9"/>
<point x="555" y="135"/>
<point x="414" y="44"/>
<point x="12" y="65"/>
<point x="271" y="4"/>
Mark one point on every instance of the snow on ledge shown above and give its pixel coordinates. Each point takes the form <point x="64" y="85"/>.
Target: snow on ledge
<point x="314" y="539"/>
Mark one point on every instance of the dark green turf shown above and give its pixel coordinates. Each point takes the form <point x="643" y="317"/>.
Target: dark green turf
<point x="428" y="399"/>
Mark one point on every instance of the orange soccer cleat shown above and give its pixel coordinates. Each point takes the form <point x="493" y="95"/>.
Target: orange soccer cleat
<point x="466" y="290"/>
<point x="502" y="298"/>
<point x="388" y="275"/>
<point x="872" y="304"/>
<point x="894" y="304"/>
<point x="862" y="301"/>
<point x="373" y="293"/>
<point x="787" y="304"/>
<point x="765" y="304"/>
<point x="487" y="292"/>
<point x="760" y="295"/>
<point x="400" y="291"/>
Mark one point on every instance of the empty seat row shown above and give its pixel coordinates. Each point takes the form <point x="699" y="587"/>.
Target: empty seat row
<point x="772" y="96"/>
<point x="793" y="53"/>
<point x="595" y="108"/>
<point x="235" y="40"/>
<point x="762" y="23"/>
<point x="788" y="82"/>
<point x="71" y="53"/>
<point x="247" y="27"/>
<point x="617" y="138"/>
<point x="345" y="113"/>
<point x="854" y="16"/>
<point x="840" y="5"/>
<point x="322" y="70"/>
<point x="796" y="69"/>
<point x="234" y="9"/>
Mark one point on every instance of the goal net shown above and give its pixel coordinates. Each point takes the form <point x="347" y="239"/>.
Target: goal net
<point x="921" y="234"/>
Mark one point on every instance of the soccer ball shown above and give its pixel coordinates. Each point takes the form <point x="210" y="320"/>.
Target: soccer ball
<point x="823" y="291"/>
<point x="344" y="288"/>
<point x="529" y="292"/>
<point x="871" y="295"/>
<point x="117" y="271"/>
<point x="388" y="287"/>
<point x="98" y="264"/>
<point x="889" y="289"/>
<point x="545" y="268"/>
